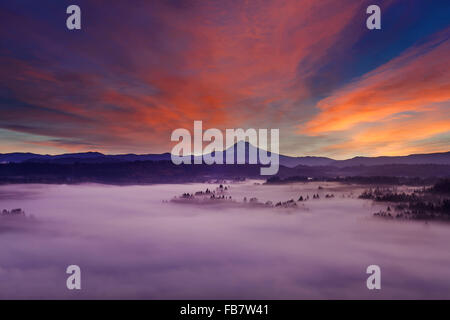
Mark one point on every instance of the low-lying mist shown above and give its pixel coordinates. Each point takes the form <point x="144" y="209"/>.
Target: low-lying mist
<point x="130" y="243"/>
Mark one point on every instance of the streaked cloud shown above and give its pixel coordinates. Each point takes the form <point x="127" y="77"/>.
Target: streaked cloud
<point x="404" y="100"/>
<point x="309" y="68"/>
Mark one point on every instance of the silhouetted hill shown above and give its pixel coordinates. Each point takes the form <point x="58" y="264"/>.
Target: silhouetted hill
<point x="430" y="158"/>
<point x="87" y="157"/>
<point x="141" y="172"/>
<point x="136" y="172"/>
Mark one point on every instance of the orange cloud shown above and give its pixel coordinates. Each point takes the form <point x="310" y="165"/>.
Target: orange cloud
<point x="399" y="136"/>
<point x="410" y="83"/>
<point x="231" y="64"/>
<point x="223" y="63"/>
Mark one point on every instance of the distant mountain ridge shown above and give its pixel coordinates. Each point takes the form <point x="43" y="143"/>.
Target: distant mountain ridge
<point x="84" y="157"/>
<point x="427" y="158"/>
<point x="157" y="168"/>
<point x="442" y="158"/>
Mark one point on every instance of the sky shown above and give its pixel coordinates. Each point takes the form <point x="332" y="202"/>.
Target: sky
<point x="137" y="70"/>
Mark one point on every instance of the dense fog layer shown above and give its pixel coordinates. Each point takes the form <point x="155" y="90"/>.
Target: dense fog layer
<point x="129" y="243"/>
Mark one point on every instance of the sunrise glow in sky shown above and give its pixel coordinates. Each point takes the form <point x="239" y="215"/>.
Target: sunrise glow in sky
<point x="140" y="69"/>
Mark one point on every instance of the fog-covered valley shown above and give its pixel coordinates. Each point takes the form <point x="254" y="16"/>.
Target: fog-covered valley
<point x="134" y="242"/>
